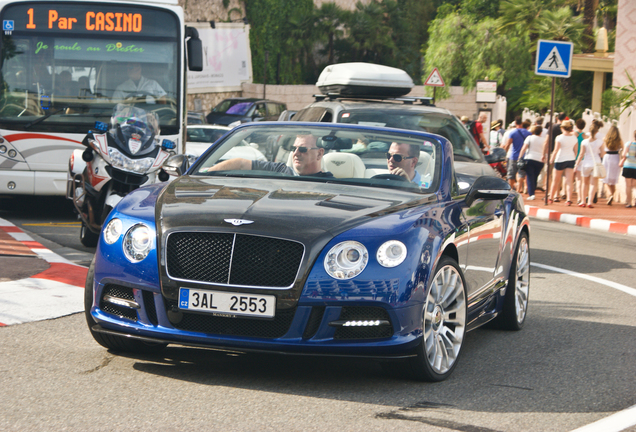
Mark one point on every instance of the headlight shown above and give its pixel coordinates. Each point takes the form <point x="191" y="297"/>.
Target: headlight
<point x="118" y="160"/>
<point x="346" y="260"/>
<point x="391" y="253"/>
<point x="137" y="242"/>
<point x="112" y="231"/>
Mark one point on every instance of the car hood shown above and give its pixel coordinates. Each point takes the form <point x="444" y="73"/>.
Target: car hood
<point x="277" y="208"/>
<point x="474" y="168"/>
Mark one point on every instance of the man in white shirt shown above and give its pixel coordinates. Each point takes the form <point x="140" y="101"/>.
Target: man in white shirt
<point x="138" y="85"/>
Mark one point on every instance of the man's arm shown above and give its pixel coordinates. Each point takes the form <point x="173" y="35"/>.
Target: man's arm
<point x="231" y="164"/>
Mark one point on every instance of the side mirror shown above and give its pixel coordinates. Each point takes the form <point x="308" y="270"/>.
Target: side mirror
<point x="194" y="48"/>
<point x="497" y="154"/>
<point x="176" y="165"/>
<point x="488" y="188"/>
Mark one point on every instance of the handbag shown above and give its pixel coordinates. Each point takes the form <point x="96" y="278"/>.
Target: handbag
<point x="599" y="169"/>
<point x="521" y="164"/>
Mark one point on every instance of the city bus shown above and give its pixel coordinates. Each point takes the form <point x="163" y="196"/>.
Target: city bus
<point x="67" y="64"/>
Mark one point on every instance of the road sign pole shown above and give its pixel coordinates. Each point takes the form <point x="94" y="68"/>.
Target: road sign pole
<point x="549" y="147"/>
<point x="434" y="89"/>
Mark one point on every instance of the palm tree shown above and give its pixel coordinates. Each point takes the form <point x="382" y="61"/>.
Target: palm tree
<point x="560" y="25"/>
<point x="330" y="26"/>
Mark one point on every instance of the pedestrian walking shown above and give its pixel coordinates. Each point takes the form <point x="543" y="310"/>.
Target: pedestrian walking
<point x="533" y="152"/>
<point x="513" y="146"/>
<point x="580" y="136"/>
<point x="563" y="158"/>
<point x="591" y="154"/>
<point x="495" y="136"/>
<point x="628" y="162"/>
<point x="613" y="146"/>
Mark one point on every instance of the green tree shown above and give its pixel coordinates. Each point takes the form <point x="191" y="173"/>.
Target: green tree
<point x="445" y="50"/>
<point x="561" y="25"/>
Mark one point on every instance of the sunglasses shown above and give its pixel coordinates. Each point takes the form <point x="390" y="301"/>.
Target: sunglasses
<point x="302" y="149"/>
<point x="397" y="157"/>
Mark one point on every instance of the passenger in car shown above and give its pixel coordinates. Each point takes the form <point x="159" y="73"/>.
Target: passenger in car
<point x="306" y="157"/>
<point x="402" y="160"/>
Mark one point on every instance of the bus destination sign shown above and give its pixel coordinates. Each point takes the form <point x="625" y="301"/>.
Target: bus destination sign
<point x="86" y="18"/>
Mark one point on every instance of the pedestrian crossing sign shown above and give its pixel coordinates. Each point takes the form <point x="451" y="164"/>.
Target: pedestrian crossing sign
<point x="554" y="58"/>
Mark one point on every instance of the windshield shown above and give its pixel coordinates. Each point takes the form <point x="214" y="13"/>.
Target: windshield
<point x="63" y="76"/>
<point x="233" y="107"/>
<point x="336" y="154"/>
<point x="205" y="135"/>
<point x="442" y="124"/>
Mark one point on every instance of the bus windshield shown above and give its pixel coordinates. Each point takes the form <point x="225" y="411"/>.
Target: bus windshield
<point x="66" y="65"/>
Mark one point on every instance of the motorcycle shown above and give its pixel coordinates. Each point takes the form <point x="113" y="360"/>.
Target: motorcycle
<point x="117" y="160"/>
<point x="497" y="160"/>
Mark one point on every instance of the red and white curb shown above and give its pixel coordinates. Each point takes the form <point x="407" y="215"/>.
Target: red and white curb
<point x="55" y="292"/>
<point x="582" y="221"/>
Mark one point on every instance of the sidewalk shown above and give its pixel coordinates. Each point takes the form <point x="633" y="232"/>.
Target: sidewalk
<point x="614" y="218"/>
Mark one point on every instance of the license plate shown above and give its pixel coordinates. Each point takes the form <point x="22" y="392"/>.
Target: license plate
<point x="223" y="303"/>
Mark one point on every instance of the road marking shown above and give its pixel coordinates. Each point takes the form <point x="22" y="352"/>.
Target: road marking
<point x="622" y="419"/>
<point x="616" y="422"/>
<point x="62" y="224"/>
<point x="620" y="287"/>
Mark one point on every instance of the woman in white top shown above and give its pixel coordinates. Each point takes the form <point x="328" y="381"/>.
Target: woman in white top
<point x="591" y="154"/>
<point x="534" y="151"/>
<point x="563" y="158"/>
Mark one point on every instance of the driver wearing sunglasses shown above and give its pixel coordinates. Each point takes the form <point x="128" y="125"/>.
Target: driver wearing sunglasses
<point x="306" y="160"/>
<point x="402" y="159"/>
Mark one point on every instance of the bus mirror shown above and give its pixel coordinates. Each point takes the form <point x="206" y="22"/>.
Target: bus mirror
<point x="195" y="50"/>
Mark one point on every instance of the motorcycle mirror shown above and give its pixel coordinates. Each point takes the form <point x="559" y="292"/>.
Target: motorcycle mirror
<point x="177" y="165"/>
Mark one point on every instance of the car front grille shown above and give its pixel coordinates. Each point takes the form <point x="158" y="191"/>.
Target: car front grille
<point x="233" y="259"/>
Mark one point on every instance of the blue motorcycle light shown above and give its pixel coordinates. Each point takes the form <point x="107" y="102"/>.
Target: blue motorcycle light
<point x="101" y="126"/>
<point x="166" y="144"/>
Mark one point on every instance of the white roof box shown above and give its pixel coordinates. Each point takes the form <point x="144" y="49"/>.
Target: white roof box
<point x="364" y="80"/>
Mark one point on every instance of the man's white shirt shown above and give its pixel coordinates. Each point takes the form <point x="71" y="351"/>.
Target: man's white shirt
<point x="148" y="86"/>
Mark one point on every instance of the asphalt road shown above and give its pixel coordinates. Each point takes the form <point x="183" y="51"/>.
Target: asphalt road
<point x="573" y="364"/>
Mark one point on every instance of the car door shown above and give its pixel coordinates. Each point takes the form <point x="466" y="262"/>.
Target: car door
<point x="274" y="110"/>
<point x="260" y="112"/>
<point x="484" y="219"/>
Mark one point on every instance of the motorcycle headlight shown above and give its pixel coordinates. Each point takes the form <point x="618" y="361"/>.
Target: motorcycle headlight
<point x="119" y="160"/>
<point x="391" y="253"/>
<point x="346" y="260"/>
<point x="137" y="242"/>
<point x="112" y="231"/>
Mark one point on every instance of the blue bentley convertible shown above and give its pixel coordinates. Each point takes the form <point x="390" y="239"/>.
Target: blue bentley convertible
<point x="310" y="238"/>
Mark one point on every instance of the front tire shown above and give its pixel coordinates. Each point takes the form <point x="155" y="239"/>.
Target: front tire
<point x="443" y="324"/>
<point x="515" y="307"/>
<point x="87" y="237"/>
<point x="112" y="342"/>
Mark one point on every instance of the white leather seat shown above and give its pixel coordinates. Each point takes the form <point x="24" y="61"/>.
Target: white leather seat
<point x="425" y="164"/>
<point x="344" y="165"/>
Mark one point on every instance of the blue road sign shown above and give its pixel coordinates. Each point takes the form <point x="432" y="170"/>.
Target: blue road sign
<point x="554" y="59"/>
